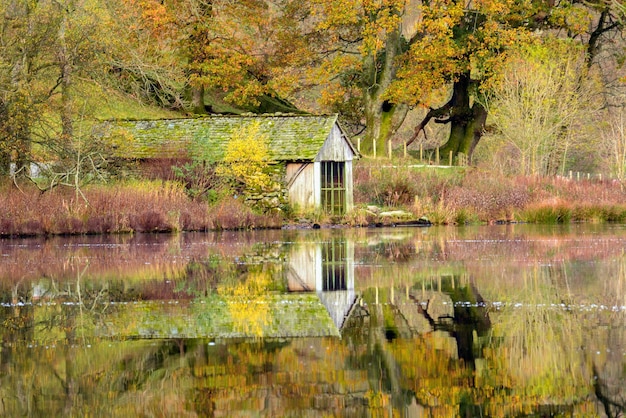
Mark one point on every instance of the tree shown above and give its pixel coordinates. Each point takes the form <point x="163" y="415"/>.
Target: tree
<point x="238" y="48"/>
<point x="46" y="46"/>
<point x="144" y="59"/>
<point x="480" y="38"/>
<point x="614" y="141"/>
<point x="356" y="47"/>
<point x="377" y="59"/>
<point x="462" y="46"/>
<point x="535" y="102"/>
<point x="52" y="55"/>
<point x="27" y="31"/>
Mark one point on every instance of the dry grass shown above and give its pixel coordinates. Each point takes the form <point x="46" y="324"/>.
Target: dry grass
<point x="145" y="206"/>
<point x="456" y="196"/>
<point x="450" y="196"/>
<point x="234" y="214"/>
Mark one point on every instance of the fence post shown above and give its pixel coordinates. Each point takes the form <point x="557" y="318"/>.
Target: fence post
<point x="421" y="152"/>
<point x="450" y="158"/>
<point x="389" y="146"/>
<point x="437" y="157"/>
<point x="358" y="144"/>
<point x="374" y="144"/>
<point x="405" y="149"/>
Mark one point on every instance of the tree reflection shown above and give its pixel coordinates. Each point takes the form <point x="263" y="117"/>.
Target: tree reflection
<point x="533" y="355"/>
<point x="248" y="302"/>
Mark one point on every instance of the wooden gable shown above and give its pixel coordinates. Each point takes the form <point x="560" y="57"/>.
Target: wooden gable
<point x="337" y="147"/>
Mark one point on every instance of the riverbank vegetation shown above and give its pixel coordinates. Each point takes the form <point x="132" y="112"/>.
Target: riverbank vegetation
<point x="456" y="195"/>
<point x="121" y="207"/>
<point x="449" y="195"/>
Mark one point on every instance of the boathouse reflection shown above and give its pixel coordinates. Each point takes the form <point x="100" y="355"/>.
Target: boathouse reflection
<point x="327" y="268"/>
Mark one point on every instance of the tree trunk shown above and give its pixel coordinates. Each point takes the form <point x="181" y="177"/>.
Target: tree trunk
<point x="23" y="158"/>
<point x="5" y="164"/>
<point x="467" y="121"/>
<point x="380" y="119"/>
<point x="65" y="67"/>
<point x="197" y="100"/>
<point x="381" y="116"/>
<point x="5" y="152"/>
<point x="17" y="122"/>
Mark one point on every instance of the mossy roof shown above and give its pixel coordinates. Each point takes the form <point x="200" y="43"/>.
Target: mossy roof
<point x="291" y="137"/>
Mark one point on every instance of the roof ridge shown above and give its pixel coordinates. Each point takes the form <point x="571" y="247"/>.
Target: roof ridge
<point x="217" y="115"/>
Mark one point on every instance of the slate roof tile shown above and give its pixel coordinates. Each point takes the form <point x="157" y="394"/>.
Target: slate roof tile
<point x="291" y="137"/>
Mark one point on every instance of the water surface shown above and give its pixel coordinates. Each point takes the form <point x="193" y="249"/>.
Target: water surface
<point x="510" y="320"/>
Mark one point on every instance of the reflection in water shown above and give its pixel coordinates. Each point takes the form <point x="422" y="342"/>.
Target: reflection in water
<point x="324" y="265"/>
<point x="248" y="303"/>
<point x="486" y="321"/>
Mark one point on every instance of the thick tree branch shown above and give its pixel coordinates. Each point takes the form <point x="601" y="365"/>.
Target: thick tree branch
<point x="604" y="25"/>
<point x="432" y="113"/>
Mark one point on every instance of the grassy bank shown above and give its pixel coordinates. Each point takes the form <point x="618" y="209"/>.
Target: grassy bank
<point x="442" y="195"/>
<point x="467" y="195"/>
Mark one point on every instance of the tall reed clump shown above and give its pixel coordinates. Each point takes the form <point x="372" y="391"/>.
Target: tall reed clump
<point x="146" y="206"/>
<point x="547" y="212"/>
<point x="27" y="211"/>
<point x="231" y="213"/>
<point x="143" y="206"/>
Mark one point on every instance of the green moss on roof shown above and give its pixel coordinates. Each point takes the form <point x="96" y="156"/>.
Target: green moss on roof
<point x="292" y="137"/>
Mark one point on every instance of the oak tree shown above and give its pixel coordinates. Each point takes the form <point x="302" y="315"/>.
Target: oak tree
<point x="378" y="58"/>
<point x="478" y="38"/>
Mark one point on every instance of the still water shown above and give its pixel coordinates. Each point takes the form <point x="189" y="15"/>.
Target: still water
<point x="495" y="321"/>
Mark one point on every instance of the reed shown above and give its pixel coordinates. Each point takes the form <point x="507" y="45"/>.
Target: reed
<point x="547" y="213"/>
<point x="232" y="213"/>
<point x="146" y="206"/>
<point x="458" y="196"/>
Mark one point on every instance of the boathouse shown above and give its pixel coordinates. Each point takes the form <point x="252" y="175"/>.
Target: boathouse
<point x="314" y="150"/>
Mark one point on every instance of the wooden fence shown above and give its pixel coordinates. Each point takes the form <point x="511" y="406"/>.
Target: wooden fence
<point x="433" y="158"/>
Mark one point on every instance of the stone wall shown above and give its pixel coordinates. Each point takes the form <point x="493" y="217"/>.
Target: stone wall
<point x="274" y="198"/>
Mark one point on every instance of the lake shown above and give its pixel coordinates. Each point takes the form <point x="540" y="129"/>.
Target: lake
<point x="491" y="321"/>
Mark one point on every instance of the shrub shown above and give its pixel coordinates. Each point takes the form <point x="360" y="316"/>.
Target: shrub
<point x="246" y="161"/>
<point x="200" y="180"/>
